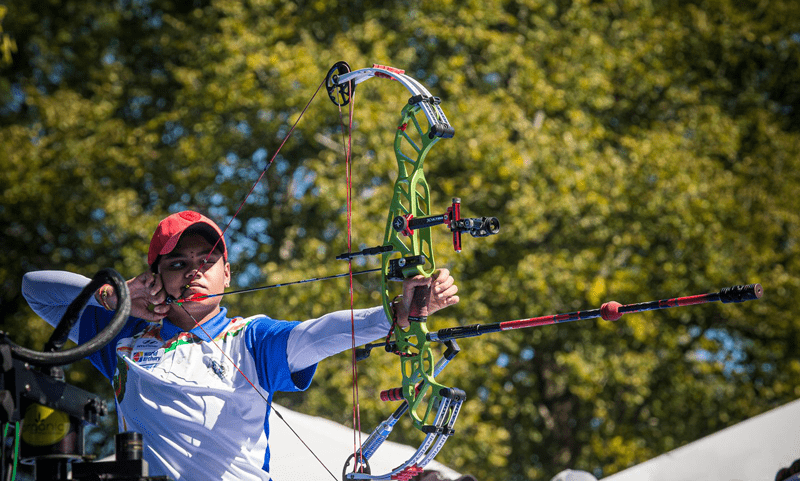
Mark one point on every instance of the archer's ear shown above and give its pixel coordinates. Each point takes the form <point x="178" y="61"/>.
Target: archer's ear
<point x="227" y="274"/>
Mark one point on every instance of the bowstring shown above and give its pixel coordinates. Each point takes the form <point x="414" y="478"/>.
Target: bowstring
<point x="347" y="142"/>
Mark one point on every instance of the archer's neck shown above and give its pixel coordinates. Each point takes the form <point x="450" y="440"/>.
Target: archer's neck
<point x="196" y="315"/>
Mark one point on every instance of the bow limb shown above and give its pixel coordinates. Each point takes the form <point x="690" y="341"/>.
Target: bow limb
<point x="341" y="79"/>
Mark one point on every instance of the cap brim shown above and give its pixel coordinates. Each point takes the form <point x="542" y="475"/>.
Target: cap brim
<point x="208" y="232"/>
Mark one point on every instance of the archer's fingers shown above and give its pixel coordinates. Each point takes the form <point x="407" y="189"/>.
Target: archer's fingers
<point x="444" y="299"/>
<point x="443" y="291"/>
<point x="450" y="301"/>
<point x="138" y="285"/>
<point x="150" y="308"/>
<point x="443" y="273"/>
<point x="443" y="281"/>
<point x="148" y="297"/>
<point x="158" y="295"/>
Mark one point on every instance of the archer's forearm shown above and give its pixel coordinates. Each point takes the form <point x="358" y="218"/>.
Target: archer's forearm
<point x="314" y="340"/>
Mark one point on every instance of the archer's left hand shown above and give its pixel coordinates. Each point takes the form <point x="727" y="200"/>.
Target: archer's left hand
<point x="443" y="291"/>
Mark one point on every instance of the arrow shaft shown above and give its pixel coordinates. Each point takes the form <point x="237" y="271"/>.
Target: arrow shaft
<point x="201" y="297"/>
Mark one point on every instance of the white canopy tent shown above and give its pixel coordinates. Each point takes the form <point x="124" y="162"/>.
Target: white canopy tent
<point x="753" y="450"/>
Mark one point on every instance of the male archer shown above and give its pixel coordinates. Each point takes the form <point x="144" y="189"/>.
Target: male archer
<point x="196" y="382"/>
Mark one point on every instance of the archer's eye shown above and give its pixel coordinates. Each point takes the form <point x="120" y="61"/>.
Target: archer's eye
<point x="175" y="265"/>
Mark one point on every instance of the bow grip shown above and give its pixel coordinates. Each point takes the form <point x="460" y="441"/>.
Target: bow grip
<point x="418" y="312"/>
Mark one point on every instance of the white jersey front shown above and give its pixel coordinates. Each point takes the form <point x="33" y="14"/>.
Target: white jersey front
<point x="199" y="416"/>
<point x="208" y="403"/>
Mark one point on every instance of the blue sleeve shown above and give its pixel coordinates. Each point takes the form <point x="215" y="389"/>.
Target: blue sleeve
<point x="49" y="293"/>
<point x="93" y="320"/>
<point x="266" y="340"/>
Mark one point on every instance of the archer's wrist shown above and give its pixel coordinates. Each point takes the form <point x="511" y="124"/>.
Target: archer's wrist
<point x="399" y="312"/>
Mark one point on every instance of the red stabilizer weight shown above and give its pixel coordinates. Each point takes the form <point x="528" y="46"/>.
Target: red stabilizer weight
<point x="394" y="394"/>
<point x="610" y="311"/>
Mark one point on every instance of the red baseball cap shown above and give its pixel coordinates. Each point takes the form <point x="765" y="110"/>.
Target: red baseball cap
<point x="170" y="230"/>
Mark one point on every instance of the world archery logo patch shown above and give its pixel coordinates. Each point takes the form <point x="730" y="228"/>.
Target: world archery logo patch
<point x="146" y="353"/>
<point x="147" y="358"/>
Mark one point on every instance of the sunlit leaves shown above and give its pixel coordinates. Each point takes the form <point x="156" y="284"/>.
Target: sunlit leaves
<point x="632" y="151"/>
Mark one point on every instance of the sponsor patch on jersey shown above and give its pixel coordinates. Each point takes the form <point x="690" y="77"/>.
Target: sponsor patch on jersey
<point x="148" y="342"/>
<point x="146" y="358"/>
<point x="147" y="352"/>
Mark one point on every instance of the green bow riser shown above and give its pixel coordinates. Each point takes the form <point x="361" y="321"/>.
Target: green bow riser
<point x="412" y="196"/>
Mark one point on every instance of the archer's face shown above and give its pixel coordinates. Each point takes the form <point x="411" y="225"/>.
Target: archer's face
<point x="183" y="273"/>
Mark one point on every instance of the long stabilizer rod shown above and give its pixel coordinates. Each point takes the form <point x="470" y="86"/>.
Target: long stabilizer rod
<point x="610" y="311"/>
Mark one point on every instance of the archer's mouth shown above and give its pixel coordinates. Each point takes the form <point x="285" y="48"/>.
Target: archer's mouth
<point x="190" y="289"/>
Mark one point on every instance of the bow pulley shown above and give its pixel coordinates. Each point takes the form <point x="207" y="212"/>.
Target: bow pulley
<point x="341" y="84"/>
<point x="334" y="86"/>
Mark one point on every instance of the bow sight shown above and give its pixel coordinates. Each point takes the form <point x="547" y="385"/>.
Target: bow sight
<point x="476" y="227"/>
<point x="406" y="224"/>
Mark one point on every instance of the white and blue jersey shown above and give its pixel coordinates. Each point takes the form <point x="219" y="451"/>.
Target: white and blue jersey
<point x="199" y="416"/>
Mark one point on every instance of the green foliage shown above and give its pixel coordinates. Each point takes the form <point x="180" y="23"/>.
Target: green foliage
<point x="632" y="151"/>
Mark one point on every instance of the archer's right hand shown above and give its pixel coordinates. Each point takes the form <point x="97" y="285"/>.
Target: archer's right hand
<point x="147" y="297"/>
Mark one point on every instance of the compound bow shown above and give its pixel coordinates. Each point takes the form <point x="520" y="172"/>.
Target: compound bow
<point x="406" y="252"/>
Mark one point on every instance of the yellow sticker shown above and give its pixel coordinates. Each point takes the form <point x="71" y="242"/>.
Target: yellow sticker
<point x="44" y="426"/>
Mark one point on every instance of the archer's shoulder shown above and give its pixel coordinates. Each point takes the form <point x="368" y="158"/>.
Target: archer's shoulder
<point x="261" y="324"/>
